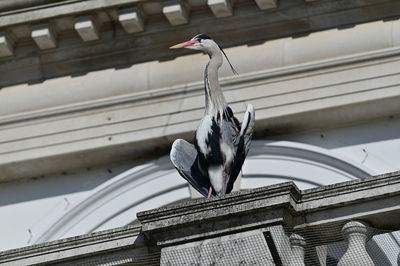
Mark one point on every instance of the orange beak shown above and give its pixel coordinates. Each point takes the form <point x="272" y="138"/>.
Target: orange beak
<point x="183" y="44"/>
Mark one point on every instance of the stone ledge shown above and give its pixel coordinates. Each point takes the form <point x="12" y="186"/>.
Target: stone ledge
<point x="104" y="241"/>
<point x="370" y="199"/>
<point x="278" y="210"/>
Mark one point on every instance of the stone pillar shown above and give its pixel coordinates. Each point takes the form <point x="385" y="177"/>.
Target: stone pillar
<point x="298" y="243"/>
<point x="398" y="259"/>
<point x="357" y="234"/>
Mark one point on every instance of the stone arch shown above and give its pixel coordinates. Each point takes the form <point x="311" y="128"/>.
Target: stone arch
<point x="271" y="162"/>
<point x="156" y="183"/>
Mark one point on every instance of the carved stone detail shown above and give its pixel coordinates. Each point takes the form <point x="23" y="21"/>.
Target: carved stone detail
<point x="176" y="13"/>
<point x="267" y="4"/>
<point x="6" y="44"/>
<point x="44" y="36"/>
<point x="298" y="244"/>
<point x="131" y="19"/>
<point x="221" y="8"/>
<point x="87" y="28"/>
<point x="357" y="234"/>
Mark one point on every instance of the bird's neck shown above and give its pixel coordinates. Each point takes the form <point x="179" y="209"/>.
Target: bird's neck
<point x="215" y="100"/>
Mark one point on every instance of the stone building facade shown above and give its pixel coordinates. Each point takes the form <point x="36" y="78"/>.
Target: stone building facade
<point x="91" y="100"/>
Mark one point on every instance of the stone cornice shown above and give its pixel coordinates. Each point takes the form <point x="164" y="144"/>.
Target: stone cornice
<point x="52" y="9"/>
<point x="316" y="214"/>
<point x="107" y="43"/>
<point x="390" y="182"/>
<point x="335" y="190"/>
<point x="182" y="210"/>
<point x="284" y="204"/>
<point x="97" y="242"/>
<point x="228" y="83"/>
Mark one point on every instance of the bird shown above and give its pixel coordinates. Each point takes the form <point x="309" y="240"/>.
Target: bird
<point x="221" y="143"/>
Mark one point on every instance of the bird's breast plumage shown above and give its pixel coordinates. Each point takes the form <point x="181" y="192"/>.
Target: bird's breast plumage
<point x="216" y="139"/>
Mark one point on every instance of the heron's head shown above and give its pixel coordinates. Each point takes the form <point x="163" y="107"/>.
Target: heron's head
<point x="203" y="43"/>
<point x="200" y="42"/>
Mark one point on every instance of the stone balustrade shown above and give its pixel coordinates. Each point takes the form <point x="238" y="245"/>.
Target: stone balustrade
<point x="321" y="226"/>
<point x="338" y="224"/>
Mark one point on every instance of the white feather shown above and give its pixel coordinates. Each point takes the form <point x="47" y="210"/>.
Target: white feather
<point x="216" y="177"/>
<point x="227" y="152"/>
<point x="203" y="132"/>
<point x="248" y="120"/>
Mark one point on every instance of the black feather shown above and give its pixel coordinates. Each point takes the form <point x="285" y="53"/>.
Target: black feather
<point x="233" y="69"/>
<point x="202" y="37"/>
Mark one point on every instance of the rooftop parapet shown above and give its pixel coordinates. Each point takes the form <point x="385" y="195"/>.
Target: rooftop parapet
<point x="274" y="225"/>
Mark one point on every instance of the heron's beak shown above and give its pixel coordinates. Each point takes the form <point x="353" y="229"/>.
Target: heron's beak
<point x="183" y="44"/>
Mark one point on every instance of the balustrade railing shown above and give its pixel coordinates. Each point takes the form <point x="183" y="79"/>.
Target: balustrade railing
<point x="346" y="224"/>
<point x="355" y="246"/>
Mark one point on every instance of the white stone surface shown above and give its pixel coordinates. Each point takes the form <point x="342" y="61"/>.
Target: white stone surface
<point x="298" y="244"/>
<point x="44" y="36"/>
<point x="141" y="103"/>
<point x="306" y="100"/>
<point x="73" y="207"/>
<point x="277" y="57"/>
<point x="6" y="44"/>
<point x="398" y="259"/>
<point x="356" y="233"/>
<point x="87" y="28"/>
<point x="334" y="43"/>
<point x="249" y="248"/>
<point x="267" y="4"/>
<point x="221" y="8"/>
<point x="177" y="14"/>
<point x="131" y="20"/>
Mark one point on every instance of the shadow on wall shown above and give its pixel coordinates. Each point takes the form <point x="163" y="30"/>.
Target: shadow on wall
<point x="61" y="184"/>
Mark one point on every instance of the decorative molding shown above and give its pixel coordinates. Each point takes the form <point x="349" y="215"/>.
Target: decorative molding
<point x="87" y="27"/>
<point x="115" y="191"/>
<point x="323" y="66"/>
<point x="131" y="19"/>
<point x="310" y="153"/>
<point x="113" y="240"/>
<point x="57" y="9"/>
<point x="349" y="89"/>
<point x="137" y="126"/>
<point x="221" y="8"/>
<point x="298" y="244"/>
<point x="313" y="209"/>
<point x="357" y="233"/>
<point x="76" y="242"/>
<point x="115" y="48"/>
<point x="177" y="13"/>
<point x="44" y="36"/>
<point x="6" y="44"/>
<point x="267" y="4"/>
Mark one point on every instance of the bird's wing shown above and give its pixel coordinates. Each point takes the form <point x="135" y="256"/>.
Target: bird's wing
<point x="242" y="146"/>
<point x="185" y="159"/>
<point x="247" y="127"/>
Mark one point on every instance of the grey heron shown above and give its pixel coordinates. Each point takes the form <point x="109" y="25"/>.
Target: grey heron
<point x="221" y="143"/>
